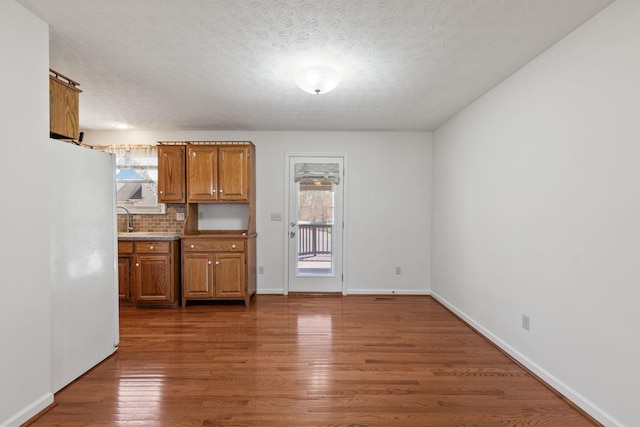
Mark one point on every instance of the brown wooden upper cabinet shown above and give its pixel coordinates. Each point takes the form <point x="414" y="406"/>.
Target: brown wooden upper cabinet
<point x="171" y="176"/>
<point x="202" y="173"/>
<point x="218" y="173"/>
<point x="64" y="107"/>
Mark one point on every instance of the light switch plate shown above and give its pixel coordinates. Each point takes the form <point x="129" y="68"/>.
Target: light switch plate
<point x="526" y="322"/>
<point x="276" y="217"/>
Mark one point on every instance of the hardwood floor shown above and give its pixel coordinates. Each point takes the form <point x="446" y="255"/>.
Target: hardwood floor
<point x="302" y="361"/>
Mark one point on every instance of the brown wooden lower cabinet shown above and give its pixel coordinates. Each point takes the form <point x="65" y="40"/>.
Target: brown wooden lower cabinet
<point x="229" y="275"/>
<point x="218" y="269"/>
<point x="197" y="276"/>
<point x="124" y="277"/>
<point x="149" y="272"/>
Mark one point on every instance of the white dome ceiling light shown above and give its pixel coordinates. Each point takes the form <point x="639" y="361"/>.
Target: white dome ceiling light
<point x="318" y="79"/>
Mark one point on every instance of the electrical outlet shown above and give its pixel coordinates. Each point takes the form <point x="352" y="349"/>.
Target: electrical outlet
<point x="276" y="217"/>
<point x="261" y="270"/>
<point x="179" y="216"/>
<point x="398" y="270"/>
<point x="526" y="322"/>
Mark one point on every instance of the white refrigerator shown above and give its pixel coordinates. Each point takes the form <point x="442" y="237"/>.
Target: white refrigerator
<point x="84" y="279"/>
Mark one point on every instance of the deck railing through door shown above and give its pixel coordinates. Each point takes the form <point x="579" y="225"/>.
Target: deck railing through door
<point x="314" y="239"/>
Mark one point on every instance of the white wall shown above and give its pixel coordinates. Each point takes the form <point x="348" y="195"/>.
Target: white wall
<point x="537" y="211"/>
<point x="389" y="190"/>
<point x="25" y="332"/>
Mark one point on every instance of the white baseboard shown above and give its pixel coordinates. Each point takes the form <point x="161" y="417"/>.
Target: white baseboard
<point x="270" y="292"/>
<point x="562" y="388"/>
<point x="29" y="412"/>
<point x="387" y="292"/>
<point x="358" y="292"/>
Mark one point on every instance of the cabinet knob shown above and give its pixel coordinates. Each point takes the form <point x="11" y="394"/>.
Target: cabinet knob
<point x="193" y="246"/>
<point x="161" y="192"/>
<point x="209" y="262"/>
<point x="151" y="248"/>
<point x="220" y="190"/>
<point x="137" y="264"/>
<point x="217" y="262"/>
<point x="233" y="246"/>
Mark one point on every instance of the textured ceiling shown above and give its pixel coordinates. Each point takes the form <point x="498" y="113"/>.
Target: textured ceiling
<point x="229" y="64"/>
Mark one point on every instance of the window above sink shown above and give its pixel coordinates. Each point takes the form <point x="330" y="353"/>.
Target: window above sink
<point x="137" y="178"/>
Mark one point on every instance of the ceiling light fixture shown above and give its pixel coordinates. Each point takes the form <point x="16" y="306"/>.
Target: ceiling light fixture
<point x="317" y="79"/>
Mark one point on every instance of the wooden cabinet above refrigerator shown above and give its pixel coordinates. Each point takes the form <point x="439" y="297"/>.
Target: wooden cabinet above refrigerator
<point x="64" y="107"/>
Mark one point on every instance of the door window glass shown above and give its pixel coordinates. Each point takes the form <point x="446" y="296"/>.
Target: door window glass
<point x="315" y="227"/>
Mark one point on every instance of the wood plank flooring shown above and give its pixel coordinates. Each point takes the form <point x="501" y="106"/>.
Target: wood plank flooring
<point x="302" y="361"/>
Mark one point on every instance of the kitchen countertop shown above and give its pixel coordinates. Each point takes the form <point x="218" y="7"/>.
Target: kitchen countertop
<point x="148" y="235"/>
<point x="217" y="234"/>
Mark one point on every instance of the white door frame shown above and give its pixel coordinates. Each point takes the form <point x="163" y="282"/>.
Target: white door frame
<point x="344" y="212"/>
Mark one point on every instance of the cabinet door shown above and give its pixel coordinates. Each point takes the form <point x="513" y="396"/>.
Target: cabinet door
<point x="229" y="270"/>
<point x="197" y="275"/>
<point x="202" y="173"/>
<point x="63" y="110"/>
<point x="234" y="173"/>
<point x="171" y="174"/>
<point x="124" y="274"/>
<point x="153" y="278"/>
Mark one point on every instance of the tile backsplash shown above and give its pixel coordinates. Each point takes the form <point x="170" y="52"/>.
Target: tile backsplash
<point x="156" y="223"/>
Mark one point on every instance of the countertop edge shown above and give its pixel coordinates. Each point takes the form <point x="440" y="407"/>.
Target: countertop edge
<point x="148" y="236"/>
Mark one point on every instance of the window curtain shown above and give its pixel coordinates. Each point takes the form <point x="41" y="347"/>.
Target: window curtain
<point x="132" y="155"/>
<point x="329" y="171"/>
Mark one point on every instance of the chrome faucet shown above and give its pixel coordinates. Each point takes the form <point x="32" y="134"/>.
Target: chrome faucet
<point x="129" y="226"/>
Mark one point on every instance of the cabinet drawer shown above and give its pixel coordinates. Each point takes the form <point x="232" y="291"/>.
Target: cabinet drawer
<point x="205" y="245"/>
<point x="125" y="248"/>
<point x="150" y="247"/>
